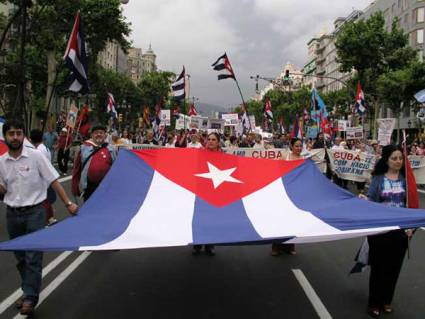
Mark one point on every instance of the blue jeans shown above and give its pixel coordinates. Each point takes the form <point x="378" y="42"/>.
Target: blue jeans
<point x="29" y="262"/>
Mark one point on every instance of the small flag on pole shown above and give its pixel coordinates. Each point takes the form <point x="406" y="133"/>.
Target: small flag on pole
<point x="192" y="110"/>
<point x="360" y="101"/>
<point x="110" y="107"/>
<point x="179" y="86"/>
<point x="268" y="114"/>
<point x="223" y="64"/>
<point x="76" y="60"/>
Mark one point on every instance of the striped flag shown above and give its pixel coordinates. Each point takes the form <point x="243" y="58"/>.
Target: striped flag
<point x="192" y="110"/>
<point x="360" y="105"/>
<point x="179" y="86"/>
<point x="110" y="107"/>
<point x="297" y="130"/>
<point x="268" y="114"/>
<point x="223" y="64"/>
<point x="76" y="60"/>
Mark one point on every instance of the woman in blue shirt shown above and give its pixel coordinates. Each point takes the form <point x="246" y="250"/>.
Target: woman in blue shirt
<point x="387" y="250"/>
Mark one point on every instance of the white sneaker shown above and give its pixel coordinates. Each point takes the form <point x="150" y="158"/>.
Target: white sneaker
<point x="51" y="221"/>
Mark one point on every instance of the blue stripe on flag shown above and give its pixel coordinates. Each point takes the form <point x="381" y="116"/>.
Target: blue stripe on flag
<point x="311" y="191"/>
<point x="129" y="180"/>
<point x="229" y="224"/>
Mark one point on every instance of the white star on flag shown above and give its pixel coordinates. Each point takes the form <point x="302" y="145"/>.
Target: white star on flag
<point x="219" y="176"/>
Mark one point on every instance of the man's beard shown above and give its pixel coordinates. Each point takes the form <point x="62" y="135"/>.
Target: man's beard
<point x="13" y="147"/>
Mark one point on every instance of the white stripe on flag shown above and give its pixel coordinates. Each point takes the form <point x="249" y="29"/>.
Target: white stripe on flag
<point x="163" y="220"/>
<point x="277" y="216"/>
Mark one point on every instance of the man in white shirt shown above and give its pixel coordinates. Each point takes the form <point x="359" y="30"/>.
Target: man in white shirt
<point x="25" y="174"/>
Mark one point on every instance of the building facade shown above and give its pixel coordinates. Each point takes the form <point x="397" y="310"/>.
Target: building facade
<point x="113" y="58"/>
<point x="322" y="69"/>
<point x="138" y="63"/>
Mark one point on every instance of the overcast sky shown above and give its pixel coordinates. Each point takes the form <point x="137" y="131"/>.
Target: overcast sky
<point x="259" y="36"/>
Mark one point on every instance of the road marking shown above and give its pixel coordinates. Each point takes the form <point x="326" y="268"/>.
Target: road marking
<point x="311" y="295"/>
<point x="9" y="301"/>
<point x="59" y="280"/>
<point x="14" y="296"/>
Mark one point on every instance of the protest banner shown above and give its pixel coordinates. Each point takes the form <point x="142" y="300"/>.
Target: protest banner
<point x="182" y="122"/>
<point x="418" y="166"/>
<point x="342" y="125"/>
<point x="312" y="132"/>
<point x="354" y="133"/>
<point x="351" y="165"/>
<point x="252" y="121"/>
<point x="216" y="124"/>
<point x="165" y="118"/>
<point x="72" y="116"/>
<point x="230" y="119"/>
<point x="385" y="130"/>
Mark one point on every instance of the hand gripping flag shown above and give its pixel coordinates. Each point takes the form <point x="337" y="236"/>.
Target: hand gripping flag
<point x="110" y="107"/>
<point x="360" y="105"/>
<point x="214" y="198"/>
<point x="76" y="60"/>
<point x="179" y="86"/>
<point x="223" y="64"/>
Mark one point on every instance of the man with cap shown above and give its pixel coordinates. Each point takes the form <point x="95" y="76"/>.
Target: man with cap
<point x="64" y="144"/>
<point x="92" y="162"/>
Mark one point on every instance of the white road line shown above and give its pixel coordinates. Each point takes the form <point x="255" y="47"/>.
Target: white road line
<point x="9" y="301"/>
<point x="311" y="295"/>
<point x="59" y="280"/>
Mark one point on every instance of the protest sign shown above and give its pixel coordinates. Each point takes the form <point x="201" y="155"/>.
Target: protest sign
<point x="252" y="121"/>
<point x="165" y="117"/>
<point x="385" y="130"/>
<point x="342" y="125"/>
<point x="354" y="133"/>
<point x="230" y="119"/>
<point x="182" y="122"/>
<point x="418" y="166"/>
<point x="351" y="165"/>
<point x="312" y="131"/>
<point x="72" y="116"/>
<point x="216" y="124"/>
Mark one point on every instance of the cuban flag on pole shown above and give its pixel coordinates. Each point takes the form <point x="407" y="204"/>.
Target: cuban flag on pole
<point x="110" y="107"/>
<point x="192" y="110"/>
<point x="268" y="114"/>
<point x="180" y="197"/>
<point x="76" y="59"/>
<point x="179" y="86"/>
<point x="223" y="65"/>
<point x="360" y="100"/>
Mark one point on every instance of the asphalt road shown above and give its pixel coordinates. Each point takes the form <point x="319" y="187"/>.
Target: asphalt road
<point x="239" y="282"/>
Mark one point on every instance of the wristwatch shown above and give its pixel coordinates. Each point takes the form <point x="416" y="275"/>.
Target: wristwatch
<point x="68" y="204"/>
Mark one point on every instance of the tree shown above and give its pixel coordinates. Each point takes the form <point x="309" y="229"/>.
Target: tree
<point x="370" y="50"/>
<point x="155" y="86"/>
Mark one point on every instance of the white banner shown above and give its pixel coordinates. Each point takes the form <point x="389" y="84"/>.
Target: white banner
<point x="342" y="125"/>
<point x="165" y="118"/>
<point x="354" y="133"/>
<point x="230" y="119"/>
<point x="351" y="165"/>
<point x="418" y="166"/>
<point x="385" y="130"/>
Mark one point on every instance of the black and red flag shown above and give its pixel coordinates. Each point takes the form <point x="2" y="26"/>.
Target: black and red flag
<point x="223" y="64"/>
<point x="75" y="59"/>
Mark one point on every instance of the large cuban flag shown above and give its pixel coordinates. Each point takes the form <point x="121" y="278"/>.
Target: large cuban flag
<point x="178" y="197"/>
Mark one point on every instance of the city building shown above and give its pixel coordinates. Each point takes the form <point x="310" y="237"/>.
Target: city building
<point x="138" y="63"/>
<point x="322" y="69"/>
<point x="113" y="58"/>
<point x="295" y="83"/>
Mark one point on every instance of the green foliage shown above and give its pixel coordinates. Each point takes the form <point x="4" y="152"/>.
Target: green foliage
<point x="155" y="86"/>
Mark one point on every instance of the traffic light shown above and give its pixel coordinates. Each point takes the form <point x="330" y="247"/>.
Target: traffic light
<point x="286" y="77"/>
<point x="120" y="117"/>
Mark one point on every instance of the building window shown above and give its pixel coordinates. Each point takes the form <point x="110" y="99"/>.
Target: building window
<point x="420" y="15"/>
<point x="420" y="36"/>
<point x="406" y="18"/>
<point x="399" y="4"/>
<point x="421" y="55"/>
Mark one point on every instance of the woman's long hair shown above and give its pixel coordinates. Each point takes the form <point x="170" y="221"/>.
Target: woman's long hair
<point x="381" y="166"/>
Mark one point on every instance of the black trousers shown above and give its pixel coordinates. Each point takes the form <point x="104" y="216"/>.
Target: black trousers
<point x="386" y="255"/>
<point x="63" y="159"/>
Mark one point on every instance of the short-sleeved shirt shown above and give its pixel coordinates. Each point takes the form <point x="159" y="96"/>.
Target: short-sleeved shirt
<point x="393" y="193"/>
<point x="26" y="178"/>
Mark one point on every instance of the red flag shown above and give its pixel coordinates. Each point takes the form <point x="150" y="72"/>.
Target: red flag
<point x="411" y="189"/>
<point x="192" y="110"/>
